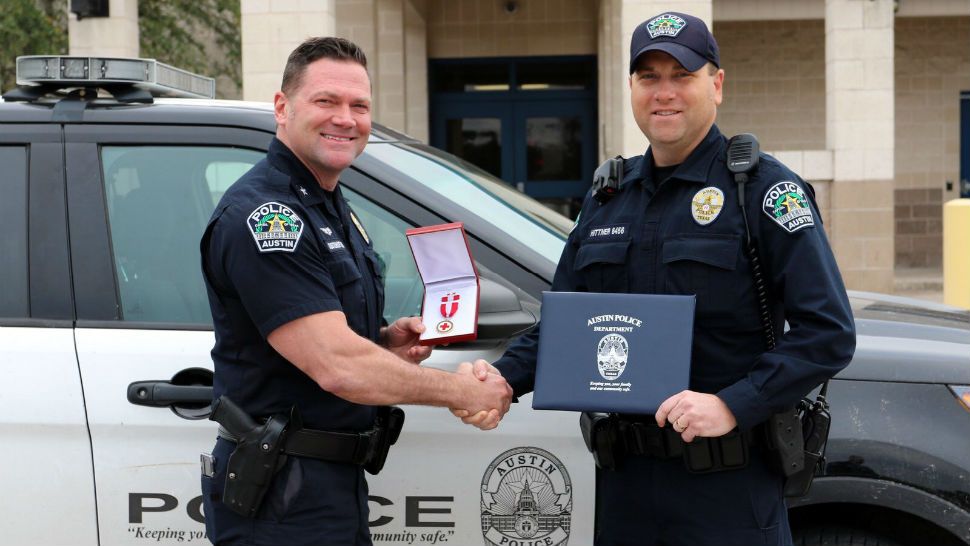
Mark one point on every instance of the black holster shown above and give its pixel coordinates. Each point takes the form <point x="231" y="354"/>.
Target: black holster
<point x="390" y="421"/>
<point x="257" y="457"/>
<point x="797" y="439"/>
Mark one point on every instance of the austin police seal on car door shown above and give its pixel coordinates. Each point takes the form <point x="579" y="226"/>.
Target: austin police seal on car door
<point x="527" y="499"/>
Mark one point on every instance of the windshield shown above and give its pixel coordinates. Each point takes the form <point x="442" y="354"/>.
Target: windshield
<point x="518" y="215"/>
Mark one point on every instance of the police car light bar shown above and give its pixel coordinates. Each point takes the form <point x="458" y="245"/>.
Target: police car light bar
<point x="149" y="74"/>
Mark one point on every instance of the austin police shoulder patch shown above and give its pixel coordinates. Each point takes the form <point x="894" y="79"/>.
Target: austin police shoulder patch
<point x="787" y="205"/>
<point x="668" y="25"/>
<point x="706" y="205"/>
<point x="275" y="227"/>
<point x="527" y="499"/>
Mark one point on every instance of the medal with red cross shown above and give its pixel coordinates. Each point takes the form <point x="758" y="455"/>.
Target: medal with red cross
<point x="448" y="308"/>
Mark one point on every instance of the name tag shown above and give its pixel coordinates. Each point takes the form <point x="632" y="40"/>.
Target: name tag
<point x="615" y="232"/>
<point x="335" y="245"/>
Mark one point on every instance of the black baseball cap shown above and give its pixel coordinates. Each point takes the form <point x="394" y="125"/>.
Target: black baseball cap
<point x="684" y="37"/>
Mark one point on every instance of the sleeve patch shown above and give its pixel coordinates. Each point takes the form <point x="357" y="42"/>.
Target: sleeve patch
<point x="275" y="227"/>
<point x="787" y="205"/>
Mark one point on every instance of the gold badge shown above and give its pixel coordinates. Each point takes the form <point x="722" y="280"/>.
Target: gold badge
<point x="360" y="227"/>
<point x="706" y="205"/>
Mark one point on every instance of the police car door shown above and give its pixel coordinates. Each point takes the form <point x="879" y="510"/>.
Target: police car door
<point x="45" y="461"/>
<point x="139" y="198"/>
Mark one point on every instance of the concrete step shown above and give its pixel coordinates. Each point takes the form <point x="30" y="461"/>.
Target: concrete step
<point x="919" y="282"/>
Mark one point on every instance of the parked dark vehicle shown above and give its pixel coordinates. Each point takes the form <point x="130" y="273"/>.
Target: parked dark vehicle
<point x="104" y="320"/>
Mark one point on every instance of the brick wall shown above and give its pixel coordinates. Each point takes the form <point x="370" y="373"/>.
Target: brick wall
<point x="774" y="84"/>
<point x="919" y="227"/>
<point x="930" y="73"/>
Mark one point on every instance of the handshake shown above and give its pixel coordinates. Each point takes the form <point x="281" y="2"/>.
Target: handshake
<point x="487" y="396"/>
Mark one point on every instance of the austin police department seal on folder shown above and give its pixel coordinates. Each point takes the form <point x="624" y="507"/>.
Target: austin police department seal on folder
<point x="527" y="499"/>
<point x="611" y="356"/>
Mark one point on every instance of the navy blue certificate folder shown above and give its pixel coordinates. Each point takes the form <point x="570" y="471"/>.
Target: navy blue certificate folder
<point x="624" y="353"/>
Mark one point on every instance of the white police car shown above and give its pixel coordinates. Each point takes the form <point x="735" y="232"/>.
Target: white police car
<point x="104" y="326"/>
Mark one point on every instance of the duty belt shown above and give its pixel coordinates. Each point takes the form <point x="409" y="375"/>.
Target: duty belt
<point x="640" y="436"/>
<point x="335" y="447"/>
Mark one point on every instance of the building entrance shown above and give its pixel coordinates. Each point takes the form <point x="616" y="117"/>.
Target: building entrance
<point x="529" y="121"/>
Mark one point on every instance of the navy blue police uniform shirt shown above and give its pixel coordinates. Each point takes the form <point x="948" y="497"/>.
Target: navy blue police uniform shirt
<point x="277" y="248"/>
<point x="685" y="235"/>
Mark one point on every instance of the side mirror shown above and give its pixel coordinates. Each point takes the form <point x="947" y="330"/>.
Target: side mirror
<point x="500" y="313"/>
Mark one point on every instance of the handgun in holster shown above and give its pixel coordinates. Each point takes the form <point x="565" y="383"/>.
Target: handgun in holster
<point x="602" y="437"/>
<point x="257" y="457"/>
<point x="387" y="428"/>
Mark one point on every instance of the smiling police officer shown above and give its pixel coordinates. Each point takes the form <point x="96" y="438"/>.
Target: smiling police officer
<point x="304" y="367"/>
<point x="687" y="235"/>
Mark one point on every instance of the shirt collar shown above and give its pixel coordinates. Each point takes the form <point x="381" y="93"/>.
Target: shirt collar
<point x="302" y="182"/>
<point x="697" y="165"/>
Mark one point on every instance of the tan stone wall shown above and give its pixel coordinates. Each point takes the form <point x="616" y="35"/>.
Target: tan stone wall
<point x="483" y="28"/>
<point x="860" y="227"/>
<point x="929" y="77"/>
<point x="774" y="84"/>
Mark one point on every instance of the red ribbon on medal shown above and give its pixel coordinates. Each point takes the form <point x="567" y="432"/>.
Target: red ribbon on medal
<point x="451" y="298"/>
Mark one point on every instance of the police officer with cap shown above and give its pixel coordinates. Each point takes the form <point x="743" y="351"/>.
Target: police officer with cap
<point x="685" y="233"/>
<point x="296" y="293"/>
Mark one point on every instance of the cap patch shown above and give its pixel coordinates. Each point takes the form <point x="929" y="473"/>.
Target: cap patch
<point x="786" y="204"/>
<point x="275" y="227"/>
<point x="706" y="205"/>
<point x="668" y="25"/>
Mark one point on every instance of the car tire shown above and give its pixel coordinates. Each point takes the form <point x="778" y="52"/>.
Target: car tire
<point x="840" y="536"/>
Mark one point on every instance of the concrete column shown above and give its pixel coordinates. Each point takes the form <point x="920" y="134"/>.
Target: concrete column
<point x="860" y="126"/>
<point x="618" y="19"/>
<point x="388" y="70"/>
<point x="416" y="70"/>
<point x="393" y="35"/>
<point x="271" y="29"/>
<point x="112" y="36"/>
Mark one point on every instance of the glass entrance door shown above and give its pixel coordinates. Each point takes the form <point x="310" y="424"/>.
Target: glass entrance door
<point x="479" y="132"/>
<point x="529" y="121"/>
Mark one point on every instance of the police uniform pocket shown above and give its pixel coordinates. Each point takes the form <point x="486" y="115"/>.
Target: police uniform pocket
<point x="343" y="271"/>
<point x="377" y="270"/>
<point x="705" y="265"/>
<point x="604" y="266"/>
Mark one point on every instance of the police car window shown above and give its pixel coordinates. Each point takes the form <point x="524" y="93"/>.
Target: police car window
<point x="402" y="285"/>
<point x="13" y="244"/>
<point x="159" y="199"/>
<point x="436" y="173"/>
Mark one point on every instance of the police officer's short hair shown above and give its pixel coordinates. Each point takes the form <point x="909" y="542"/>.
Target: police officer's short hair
<point x="313" y="49"/>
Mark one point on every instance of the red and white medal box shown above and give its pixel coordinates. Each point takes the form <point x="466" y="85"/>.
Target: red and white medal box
<point x="450" y="306"/>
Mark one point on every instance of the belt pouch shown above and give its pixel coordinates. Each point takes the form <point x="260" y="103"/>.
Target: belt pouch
<point x="602" y="438"/>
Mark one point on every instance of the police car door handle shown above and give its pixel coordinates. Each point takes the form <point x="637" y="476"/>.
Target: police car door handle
<point x="159" y="394"/>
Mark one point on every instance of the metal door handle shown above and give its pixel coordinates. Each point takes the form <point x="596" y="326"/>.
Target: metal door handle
<point x="158" y="394"/>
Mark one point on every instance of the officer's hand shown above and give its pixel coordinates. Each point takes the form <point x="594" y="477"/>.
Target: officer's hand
<point x="694" y="414"/>
<point x="480" y="369"/>
<point x="401" y="338"/>
<point x="484" y="419"/>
